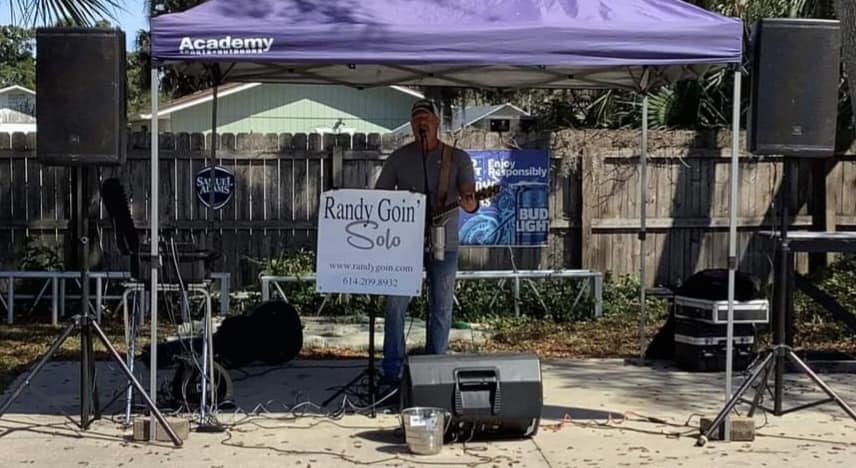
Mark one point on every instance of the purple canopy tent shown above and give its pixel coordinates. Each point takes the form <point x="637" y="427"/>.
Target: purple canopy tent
<point x="634" y="44"/>
<point x="470" y="43"/>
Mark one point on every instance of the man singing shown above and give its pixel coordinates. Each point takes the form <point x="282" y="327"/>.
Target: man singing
<point x="418" y="166"/>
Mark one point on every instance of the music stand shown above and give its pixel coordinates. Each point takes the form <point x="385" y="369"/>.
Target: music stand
<point x="774" y="356"/>
<point x="369" y="372"/>
<point x="84" y="323"/>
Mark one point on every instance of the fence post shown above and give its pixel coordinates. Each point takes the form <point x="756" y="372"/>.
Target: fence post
<point x="589" y="193"/>
<point x="597" y="291"/>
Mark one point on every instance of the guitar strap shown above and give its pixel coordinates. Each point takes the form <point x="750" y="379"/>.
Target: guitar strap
<point x="445" y="172"/>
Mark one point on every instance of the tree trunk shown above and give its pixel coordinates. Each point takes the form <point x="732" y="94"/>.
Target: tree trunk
<point x="845" y="10"/>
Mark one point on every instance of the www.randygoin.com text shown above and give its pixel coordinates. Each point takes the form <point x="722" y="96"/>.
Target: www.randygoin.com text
<point x="372" y="267"/>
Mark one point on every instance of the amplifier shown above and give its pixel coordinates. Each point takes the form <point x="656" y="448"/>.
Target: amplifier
<point x="700" y="346"/>
<point x="496" y="395"/>
<point x="716" y="312"/>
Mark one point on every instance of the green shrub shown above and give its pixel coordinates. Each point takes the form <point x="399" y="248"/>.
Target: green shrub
<point x="560" y="300"/>
<point x="621" y="297"/>
<point x="302" y="295"/>
<point x="813" y="322"/>
<point x="37" y="255"/>
<point x="40" y="256"/>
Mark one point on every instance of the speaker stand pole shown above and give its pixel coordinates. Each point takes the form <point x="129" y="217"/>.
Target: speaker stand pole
<point x="89" y="410"/>
<point x="86" y="324"/>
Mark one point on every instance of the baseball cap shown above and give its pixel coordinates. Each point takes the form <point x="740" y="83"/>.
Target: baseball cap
<point x="423" y="105"/>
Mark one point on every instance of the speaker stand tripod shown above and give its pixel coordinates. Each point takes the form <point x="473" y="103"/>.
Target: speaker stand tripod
<point x="86" y="324"/>
<point x="370" y="372"/>
<point x="775" y="356"/>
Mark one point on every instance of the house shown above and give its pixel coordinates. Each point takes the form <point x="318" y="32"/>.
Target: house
<point x="17" y="109"/>
<point x="286" y="108"/>
<point x="490" y="117"/>
<point x="498" y="117"/>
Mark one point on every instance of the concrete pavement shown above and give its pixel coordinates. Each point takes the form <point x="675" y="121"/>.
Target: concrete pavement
<point x="582" y="393"/>
<point x="324" y="332"/>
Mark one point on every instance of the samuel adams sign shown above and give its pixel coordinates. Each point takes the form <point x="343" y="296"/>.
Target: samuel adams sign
<point x="223" y="182"/>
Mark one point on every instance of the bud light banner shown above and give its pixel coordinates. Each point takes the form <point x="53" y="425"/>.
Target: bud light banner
<point x="223" y="183"/>
<point x="518" y="215"/>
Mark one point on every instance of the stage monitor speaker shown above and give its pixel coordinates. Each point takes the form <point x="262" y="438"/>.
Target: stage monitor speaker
<point x="499" y="395"/>
<point x="80" y="96"/>
<point x="795" y="75"/>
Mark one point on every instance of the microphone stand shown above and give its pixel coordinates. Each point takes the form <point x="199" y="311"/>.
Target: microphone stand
<point x="423" y="133"/>
<point x="370" y="373"/>
<point x="427" y="252"/>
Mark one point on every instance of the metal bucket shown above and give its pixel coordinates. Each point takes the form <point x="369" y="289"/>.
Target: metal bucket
<point x="424" y="428"/>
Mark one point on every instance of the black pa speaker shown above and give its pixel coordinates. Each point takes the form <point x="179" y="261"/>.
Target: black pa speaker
<point x="795" y="73"/>
<point x="499" y="395"/>
<point x="80" y="96"/>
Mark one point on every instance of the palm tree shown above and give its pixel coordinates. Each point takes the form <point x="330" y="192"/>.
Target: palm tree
<point x="710" y="99"/>
<point x="173" y="83"/>
<point x="77" y="12"/>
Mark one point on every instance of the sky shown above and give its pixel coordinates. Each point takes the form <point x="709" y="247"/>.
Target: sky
<point x="130" y="19"/>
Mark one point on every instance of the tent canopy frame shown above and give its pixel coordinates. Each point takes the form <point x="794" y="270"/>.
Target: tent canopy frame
<point x="638" y="75"/>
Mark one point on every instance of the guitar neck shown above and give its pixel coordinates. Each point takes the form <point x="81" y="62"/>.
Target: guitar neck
<point x="479" y="196"/>
<point x="446" y="209"/>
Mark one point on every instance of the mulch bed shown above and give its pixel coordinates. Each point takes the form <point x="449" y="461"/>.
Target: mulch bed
<point x="610" y="337"/>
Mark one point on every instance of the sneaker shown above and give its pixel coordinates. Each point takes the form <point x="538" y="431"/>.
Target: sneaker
<point x="388" y="380"/>
<point x="388" y="390"/>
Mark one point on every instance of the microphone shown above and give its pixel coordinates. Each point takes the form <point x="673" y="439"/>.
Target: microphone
<point x="438" y="241"/>
<point x="116" y="203"/>
<point x="423" y="132"/>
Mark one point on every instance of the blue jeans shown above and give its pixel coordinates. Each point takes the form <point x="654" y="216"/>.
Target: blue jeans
<point x="441" y="289"/>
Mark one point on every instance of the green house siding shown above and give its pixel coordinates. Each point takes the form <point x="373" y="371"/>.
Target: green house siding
<point x="281" y="108"/>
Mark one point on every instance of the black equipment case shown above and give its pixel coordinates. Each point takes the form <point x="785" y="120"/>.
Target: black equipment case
<point x="497" y="395"/>
<point x="700" y="346"/>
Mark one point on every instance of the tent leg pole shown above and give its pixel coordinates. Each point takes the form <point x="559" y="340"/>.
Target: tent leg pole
<point x="154" y="241"/>
<point x="643" y="205"/>
<point x="734" y="182"/>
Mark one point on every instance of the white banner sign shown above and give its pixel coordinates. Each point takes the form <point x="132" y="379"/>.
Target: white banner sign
<point x="370" y="242"/>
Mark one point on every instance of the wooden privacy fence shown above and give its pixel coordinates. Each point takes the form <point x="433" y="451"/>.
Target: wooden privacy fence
<point x="594" y="200"/>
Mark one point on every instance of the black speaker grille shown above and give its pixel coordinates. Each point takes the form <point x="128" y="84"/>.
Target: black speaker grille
<point x="795" y="72"/>
<point x="80" y="96"/>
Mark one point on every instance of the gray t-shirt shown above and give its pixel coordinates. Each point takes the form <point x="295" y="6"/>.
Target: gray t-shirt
<point x="403" y="170"/>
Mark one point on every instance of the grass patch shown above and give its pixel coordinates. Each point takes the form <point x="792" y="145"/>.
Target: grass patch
<point x="21" y="345"/>
<point x="611" y="336"/>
